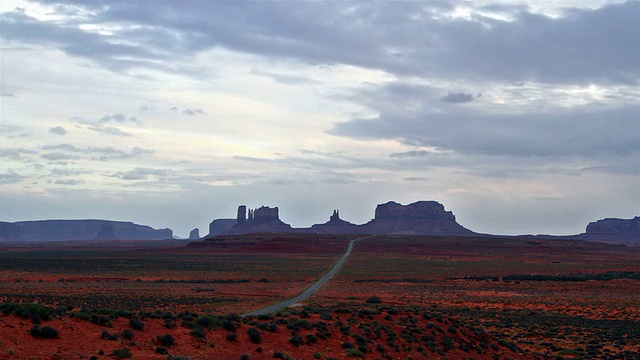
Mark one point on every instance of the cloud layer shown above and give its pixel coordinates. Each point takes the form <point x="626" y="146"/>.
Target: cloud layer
<point x="517" y="106"/>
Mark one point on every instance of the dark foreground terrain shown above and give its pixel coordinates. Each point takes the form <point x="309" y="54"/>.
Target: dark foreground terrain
<point x="397" y="297"/>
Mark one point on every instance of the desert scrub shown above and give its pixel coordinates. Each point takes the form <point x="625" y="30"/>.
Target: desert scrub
<point x="254" y="336"/>
<point x="166" y="340"/>
<point x="136" y="324"/>
<point x="45" y="332"/>
<point x="123" y="353"/>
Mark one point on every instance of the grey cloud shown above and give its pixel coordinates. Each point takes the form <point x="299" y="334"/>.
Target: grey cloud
<point x="57" y="130"/>
<point x="581" y="46"/>
<point x="68" y="172"/>
<point x="110" y="130"/>
<point x="410" y="154"/>
<point x="63" y="147"/>
<point x="58" y="156"/>
<point x="67" y="182"/>
<point x="109" y="153"/>
<point x="10" y="131"/>
<point x="100" y="127"/>
<point x="15" y="153"/>
<point x="284" y="78"/>
<point x="457" y="98"/>
<point x="120" y="118"/>
<point x="143" y="173"/>
<point x="253" y="159"/>
<point x="67" y="152"/>
<point x="416" y="178"/>
<point x="585" y="132"/>
<point x="10" y="177"/>
<point x="7" y="94"/>
<point x="193" y="112"/>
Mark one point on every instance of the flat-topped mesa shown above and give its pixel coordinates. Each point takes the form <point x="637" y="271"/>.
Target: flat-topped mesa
<point x="612" y="230"/>
<point x="419" y="218"/>
<point x="71" y="230"/>
<point x="421" y="210"/>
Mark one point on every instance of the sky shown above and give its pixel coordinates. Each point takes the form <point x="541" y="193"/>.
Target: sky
<point x="520" y="116"/>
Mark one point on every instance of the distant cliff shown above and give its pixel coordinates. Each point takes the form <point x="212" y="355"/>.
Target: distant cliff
<point x="10" y="232"/>
<point x="621" y="231"/>
<point x="61" y="230"/>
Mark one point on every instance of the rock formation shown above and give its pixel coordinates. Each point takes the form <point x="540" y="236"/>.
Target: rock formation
<point x="220" y="226"/>
<point x="63" y="230"/>
<point x="242" y="214"/>
<point x="194" y="234"/>
<point x="262" y="219"/>
<point x="419" y="218"/>
<point x="335" y="225"/>
<point x="621" y="231"/>
<point x="10" y="232"/>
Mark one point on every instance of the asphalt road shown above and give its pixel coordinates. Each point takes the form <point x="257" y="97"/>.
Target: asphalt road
<point x="310" y="291"/>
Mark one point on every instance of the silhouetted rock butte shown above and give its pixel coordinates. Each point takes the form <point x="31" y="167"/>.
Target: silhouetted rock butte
<point x="418" y="218"/>
<point x="262" y="219"/>
<point x="622" y="231"/>
<point x="194" y="234"/>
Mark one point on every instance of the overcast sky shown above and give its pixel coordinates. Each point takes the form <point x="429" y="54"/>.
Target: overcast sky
<point x="520" y="116"/>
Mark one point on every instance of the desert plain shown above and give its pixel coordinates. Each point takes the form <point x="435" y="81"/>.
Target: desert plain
<point x="396" y="297"/>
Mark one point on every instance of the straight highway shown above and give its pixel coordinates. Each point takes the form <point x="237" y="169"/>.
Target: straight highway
<point x="310" y="291"/>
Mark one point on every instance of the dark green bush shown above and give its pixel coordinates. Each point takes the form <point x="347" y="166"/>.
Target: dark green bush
<point x="374" y="300"/>
<point x="296" y="340"/>
<point x="254" y="336"/>
<point x="208" y="321"/>
<point x="166" y="340"/>
<point x="122" y="353"/>
<point x="45" y="332"/>
<point x="199" y="333"/>
<point x="136" y="324"/>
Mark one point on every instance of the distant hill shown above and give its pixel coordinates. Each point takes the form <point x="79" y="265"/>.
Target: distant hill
<point x="65" y="230"/>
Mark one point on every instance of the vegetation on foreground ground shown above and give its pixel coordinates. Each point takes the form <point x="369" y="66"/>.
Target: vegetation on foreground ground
<point x="396" y="297"/>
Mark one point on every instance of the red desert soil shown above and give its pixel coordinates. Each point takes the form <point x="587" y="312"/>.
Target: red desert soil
<point x="81" y="339"/>
<point x="485" y="287"/>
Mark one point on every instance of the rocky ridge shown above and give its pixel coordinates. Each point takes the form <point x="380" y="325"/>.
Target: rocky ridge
<point x="419" y="218"/>
<point x="65" y="230"/>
